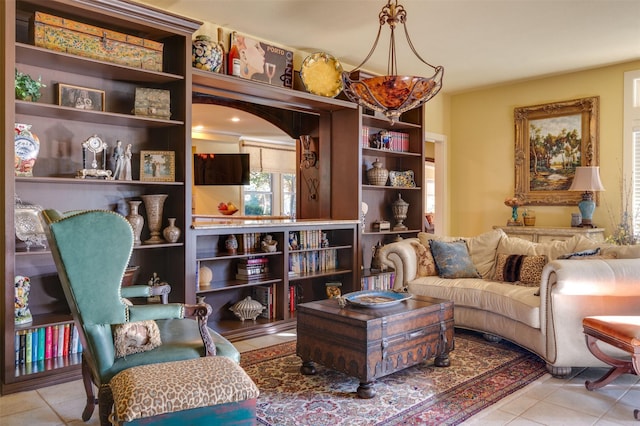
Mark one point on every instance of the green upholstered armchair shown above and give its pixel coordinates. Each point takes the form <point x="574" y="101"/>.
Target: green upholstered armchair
<point x="91" y="250"/>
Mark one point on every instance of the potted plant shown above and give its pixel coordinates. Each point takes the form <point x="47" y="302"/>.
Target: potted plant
<point x="28" y="89"/>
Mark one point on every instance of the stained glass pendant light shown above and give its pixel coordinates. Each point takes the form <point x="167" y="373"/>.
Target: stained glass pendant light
<point x="392" y="94"/>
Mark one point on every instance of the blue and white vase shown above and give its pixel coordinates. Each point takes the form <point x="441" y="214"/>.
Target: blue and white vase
<point x="206" y="54"/>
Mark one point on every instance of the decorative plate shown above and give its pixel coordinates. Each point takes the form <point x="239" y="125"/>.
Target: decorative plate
<point x="29" y="228"/>
<point x="376" y="298"/>
<point x="321" y="74"/>
<point x="402" y="179"/>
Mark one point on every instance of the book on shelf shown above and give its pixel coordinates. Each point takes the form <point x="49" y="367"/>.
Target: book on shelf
<point x="293" y="298"/>
<point x="265" y="295"/>
<point x="260" y="260"/>
<point x="60" y="347"/>
<point x="48" y="345"/>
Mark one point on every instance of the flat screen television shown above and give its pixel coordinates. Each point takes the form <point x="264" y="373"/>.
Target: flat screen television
<point x="221" y="169"/>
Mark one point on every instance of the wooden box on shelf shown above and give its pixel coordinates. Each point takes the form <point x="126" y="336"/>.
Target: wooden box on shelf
<point x="69" y="36"/>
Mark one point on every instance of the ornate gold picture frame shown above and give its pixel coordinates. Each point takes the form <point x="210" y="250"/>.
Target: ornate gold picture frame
<point x="551" y="141"/>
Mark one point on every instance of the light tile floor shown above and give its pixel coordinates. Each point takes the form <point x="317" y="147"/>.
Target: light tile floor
<point x="548" y="401"/>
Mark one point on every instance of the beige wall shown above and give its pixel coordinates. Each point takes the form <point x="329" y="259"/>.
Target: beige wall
<point x="480" y="127"/>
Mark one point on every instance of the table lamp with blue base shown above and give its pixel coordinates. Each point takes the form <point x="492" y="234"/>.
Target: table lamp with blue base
<point x="587" y="179"/>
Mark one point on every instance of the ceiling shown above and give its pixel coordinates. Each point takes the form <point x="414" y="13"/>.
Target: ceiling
<point x="479" y="42"/>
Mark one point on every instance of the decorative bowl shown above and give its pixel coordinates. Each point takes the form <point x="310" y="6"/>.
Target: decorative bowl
<point x="247" y="308"/>
<point x="227" y="212"/>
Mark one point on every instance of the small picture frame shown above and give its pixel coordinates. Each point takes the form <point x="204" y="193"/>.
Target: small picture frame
<point x="80" y="97"/>
<point x="158" y="166"/>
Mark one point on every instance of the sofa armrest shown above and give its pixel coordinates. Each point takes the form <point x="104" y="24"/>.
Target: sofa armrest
<point x="573" y="289"/>
<point x="402" y="257"/>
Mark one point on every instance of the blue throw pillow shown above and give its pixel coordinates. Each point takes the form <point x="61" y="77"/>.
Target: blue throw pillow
<point x="453" y="260"/>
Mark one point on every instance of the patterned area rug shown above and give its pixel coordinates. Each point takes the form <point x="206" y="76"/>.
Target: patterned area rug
<point x="481" y="373"/>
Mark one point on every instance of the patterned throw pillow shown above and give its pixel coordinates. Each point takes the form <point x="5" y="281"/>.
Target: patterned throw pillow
<point x="453" y="260"/>
<point x="520" y="269"/>
<point x="426" y="264"/>
<point x="134" y="337"/>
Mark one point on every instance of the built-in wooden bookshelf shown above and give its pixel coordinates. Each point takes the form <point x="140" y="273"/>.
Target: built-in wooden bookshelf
<point x="309" y="254"/>
<point x="62" y="131"/>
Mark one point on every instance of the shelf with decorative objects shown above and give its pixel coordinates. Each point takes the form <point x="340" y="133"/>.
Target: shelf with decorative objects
<point x="388" y="179"/>
<point x="88" y="104"/>
<point x="278" y="262"/>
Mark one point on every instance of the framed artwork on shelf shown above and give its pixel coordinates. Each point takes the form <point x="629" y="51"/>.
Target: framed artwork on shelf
<point x="255" y="60"/>
<point x="80" y="97"/>
<point x="551" y="141"/>
<point x="157" y="166"/>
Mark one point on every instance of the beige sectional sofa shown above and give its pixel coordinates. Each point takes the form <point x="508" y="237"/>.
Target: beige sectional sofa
<point x="544" y="317"/>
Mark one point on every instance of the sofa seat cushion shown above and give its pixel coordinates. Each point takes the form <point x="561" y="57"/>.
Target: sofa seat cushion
<point x="508" y="300"/>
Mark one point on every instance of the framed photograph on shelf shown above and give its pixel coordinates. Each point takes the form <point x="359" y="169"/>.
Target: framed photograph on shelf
<point x="157" y="166"/>
<point x="551" y="141"/>
<point x="80" y="97"/>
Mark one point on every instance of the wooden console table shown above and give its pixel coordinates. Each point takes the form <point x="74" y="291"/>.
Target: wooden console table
<point x="539" y="234"/>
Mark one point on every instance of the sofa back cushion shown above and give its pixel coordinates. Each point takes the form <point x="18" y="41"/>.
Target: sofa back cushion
<point x="551" y="249"/>
<point x="482" y="248"/>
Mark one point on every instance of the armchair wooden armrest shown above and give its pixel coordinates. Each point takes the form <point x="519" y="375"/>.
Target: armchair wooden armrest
<point x="201" y="312"/>
<point x="147" y="291"/>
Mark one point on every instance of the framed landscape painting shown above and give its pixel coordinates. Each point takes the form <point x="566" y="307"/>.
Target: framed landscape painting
<point x="551" y="141"/>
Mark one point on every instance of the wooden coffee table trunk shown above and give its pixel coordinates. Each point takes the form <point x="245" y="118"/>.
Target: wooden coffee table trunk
<point x="369" y="343"/>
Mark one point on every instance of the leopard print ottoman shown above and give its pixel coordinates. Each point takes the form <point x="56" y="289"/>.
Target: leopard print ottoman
<point x="157" y="389"/>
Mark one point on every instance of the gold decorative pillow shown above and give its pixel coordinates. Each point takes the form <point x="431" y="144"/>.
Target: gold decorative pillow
<point x="134" y="337"/>
<point x="426" y="264"/>
<point x="520" y="269"/>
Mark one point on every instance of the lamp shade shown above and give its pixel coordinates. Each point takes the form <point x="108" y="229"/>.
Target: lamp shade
<point x="587" y="179"/>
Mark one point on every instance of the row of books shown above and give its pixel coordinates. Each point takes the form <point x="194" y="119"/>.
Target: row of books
<point x="43" y="343"/>
<point x="393" y="141"/>
<point x="313" y="261"/>
<point x="250" y="242"/>
<point x="382" y="281"/>
<point x="308" y="239"/>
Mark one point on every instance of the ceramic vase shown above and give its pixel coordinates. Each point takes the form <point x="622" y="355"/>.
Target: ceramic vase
<point x="206" y="54"/>
<point x="154" y="205"/>
<point x="171" y="233"/>
<point x="22" y="289"/>
<point x="27" y="148"/>
<point x="377" y="175"/>
<point x="231" y="244"/>
<point x="136" y="220"/>
<point x="399" y="208"/>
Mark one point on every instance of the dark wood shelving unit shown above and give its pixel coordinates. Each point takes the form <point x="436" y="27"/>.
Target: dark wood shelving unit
<point x="62" y="130"/>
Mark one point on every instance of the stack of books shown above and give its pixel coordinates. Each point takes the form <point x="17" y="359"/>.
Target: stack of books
<point x="252" y="268"/>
